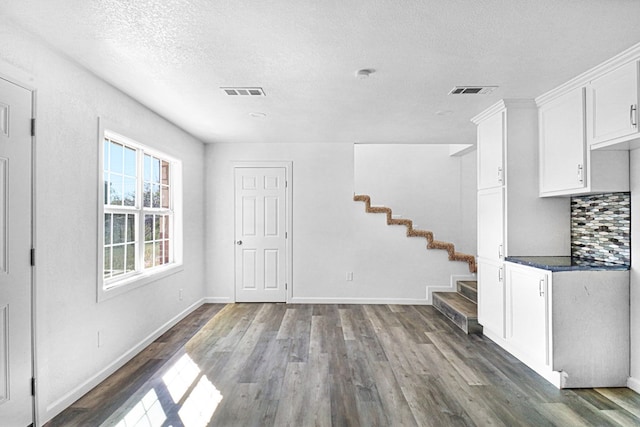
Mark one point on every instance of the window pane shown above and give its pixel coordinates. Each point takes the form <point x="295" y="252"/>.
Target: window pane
<point x="147" y="195"/>
<point x="118" y="228"/>
<point x="166" y="251"/>
<point x="116" y="190"/>
<point x="158" y="254"/>
<point x="165" y="173"/>
<point x="131" y="257"/>
<point x="107" y="262"/>
<point x="165" y="196"/>
<point x="131" y="228"/>
<point x="117" y="158"/>
<point x="107" y="229"/>
<point x="129" y="191"/>
<point x="118" y="260"/>
<point x="147" y="168"/>
<point x="166" y="227"/>
<point x="157" y="227"/>
<point x="148" y="255"/>
<point x="156" y="170"/>
<point x="148" y="228"/>
<point x="156" y="196"/>
<point x="130" y="162"/>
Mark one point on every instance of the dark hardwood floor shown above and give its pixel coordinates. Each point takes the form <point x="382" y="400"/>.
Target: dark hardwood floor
<point x="335" y="365"/>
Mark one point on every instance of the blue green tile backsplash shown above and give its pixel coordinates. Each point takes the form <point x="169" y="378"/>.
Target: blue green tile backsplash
<point x="601" y="227"/>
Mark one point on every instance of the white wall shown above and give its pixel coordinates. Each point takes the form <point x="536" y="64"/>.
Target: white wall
<point x="69" y="102"/>
<point x="634" y="158"/>
<point x="424" y="183"/>
<point x="332" y="234"/>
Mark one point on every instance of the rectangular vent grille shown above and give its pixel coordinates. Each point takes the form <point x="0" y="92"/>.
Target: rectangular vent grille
<point x="472" y="90"/>
<point x="243" y="91"/>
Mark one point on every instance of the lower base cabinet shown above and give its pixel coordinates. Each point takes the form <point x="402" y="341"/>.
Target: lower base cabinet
<point x="571" y="327"/>
<point x="491" y="295"/>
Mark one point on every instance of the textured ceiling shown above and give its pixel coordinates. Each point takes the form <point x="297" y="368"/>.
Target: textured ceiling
<point x="174" y="55"/>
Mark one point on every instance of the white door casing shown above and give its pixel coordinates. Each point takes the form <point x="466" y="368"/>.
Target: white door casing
<point x="262" y="252"/>
<point x="16" y="370"/>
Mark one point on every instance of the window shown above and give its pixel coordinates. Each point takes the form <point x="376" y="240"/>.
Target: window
<point x="138" y="209"/>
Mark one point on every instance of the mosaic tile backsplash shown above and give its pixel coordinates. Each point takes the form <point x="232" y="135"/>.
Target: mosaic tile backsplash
<point x="601" y="227"/>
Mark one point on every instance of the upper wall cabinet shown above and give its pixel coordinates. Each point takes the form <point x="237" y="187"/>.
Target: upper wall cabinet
<point x="586" y="126"/>
<point x="491" y="151"/>
<point x="612" y="107"/>
<point x="567" y="166"/>
<point x="563" y="153"/>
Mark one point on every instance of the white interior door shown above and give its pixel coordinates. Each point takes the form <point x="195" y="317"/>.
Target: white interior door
<point x="16" y="401"/>
<point x="260" y="233"/>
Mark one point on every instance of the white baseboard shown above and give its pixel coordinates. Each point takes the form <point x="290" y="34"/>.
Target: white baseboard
<point x="67" y="400"/>
<point x="395" y="301"/>
<point x="450" y="288"/>
<point x="432" y="289"/>
<point x="218" y="300"/>
<point x="633" y="384"/>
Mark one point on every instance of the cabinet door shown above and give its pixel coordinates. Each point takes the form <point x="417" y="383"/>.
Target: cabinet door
<point x="491" y="224"/>
<point x="613" y="105"/>
<point x="491" y="297"/>
<point x="526" y="313"/>
<point x="491" y="151"/>
<point x="563" y="154"/>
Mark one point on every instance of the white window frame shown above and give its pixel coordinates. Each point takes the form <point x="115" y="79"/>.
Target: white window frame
<point x="111" y="287"/>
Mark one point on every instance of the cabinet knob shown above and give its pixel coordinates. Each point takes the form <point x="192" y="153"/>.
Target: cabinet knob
<point x="239" y="242"/>
<point x="541" y="288"/>
<point x="633" y="115"/>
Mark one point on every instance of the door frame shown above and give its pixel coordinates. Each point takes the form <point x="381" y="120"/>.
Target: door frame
<point x="288" y="170"/>
<point x="35" y="401"/>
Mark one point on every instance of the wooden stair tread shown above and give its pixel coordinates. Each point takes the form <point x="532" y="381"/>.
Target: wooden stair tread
<point x="459" y="303"/>
<point x="460" y="310"/>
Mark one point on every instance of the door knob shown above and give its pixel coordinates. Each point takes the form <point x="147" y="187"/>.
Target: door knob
<point x="239" y="242"/>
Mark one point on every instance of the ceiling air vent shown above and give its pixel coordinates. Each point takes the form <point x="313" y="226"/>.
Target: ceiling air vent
<point x="472" y="90"/>
<point x="243" y="91"/>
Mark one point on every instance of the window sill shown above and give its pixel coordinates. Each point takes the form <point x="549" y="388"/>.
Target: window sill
<point x="137" y="281"/>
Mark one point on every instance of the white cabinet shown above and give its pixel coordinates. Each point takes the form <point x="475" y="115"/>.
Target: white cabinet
<point x="491" y="297"/>
<point x="567" y="166"/>
<point x="512" y="219"/>
<point x="526" y="312"/>
<point x="612" y="106"/>
<point x="491" y="151"/>
<point x="491" y="223"/>
<point x="571" y="327"/>
<point x="563" y="153"/>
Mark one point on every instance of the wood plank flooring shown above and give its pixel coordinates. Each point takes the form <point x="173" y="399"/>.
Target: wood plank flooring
<point x="335" y="365"/>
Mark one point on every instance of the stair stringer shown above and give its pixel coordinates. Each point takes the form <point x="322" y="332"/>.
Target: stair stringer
<point x="411" y="232"/>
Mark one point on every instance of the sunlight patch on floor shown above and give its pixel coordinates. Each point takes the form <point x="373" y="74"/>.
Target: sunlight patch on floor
<point x="147" y="412"/>
<point x="199" y="407"/>
<point x="180" y="376"/>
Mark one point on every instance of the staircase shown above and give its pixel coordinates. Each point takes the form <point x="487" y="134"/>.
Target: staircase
<point x="411" y="232"/>
<point x="460" y="307"/>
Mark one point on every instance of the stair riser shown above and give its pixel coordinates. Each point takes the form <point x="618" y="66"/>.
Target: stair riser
<point x="469" y="326"/>
<point x="468" y="292"/>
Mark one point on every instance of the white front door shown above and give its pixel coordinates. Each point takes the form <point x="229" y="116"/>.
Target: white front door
<point x="16" y="401"/>
<point x="260" y="233"/>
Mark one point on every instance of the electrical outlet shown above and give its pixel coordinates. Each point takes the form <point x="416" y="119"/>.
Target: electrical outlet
<point x="180" y="294"/>
<point x="350" y="276"/>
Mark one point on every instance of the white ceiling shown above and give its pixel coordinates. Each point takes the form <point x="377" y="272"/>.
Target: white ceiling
<point x="174" y="55"/>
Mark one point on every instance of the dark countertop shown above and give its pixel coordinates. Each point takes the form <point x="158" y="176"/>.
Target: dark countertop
<point x="565" y="263"/>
